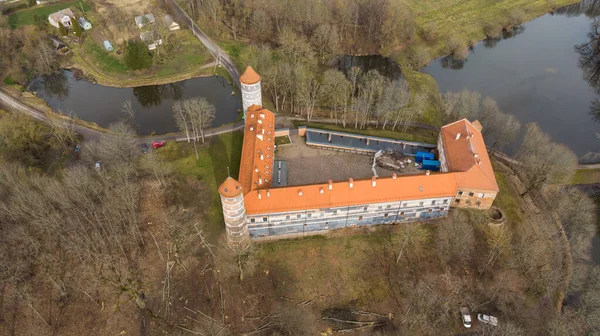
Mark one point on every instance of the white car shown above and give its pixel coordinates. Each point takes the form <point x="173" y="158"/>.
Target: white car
<point x="466" y="316"/>
<point x="487" y="319"/>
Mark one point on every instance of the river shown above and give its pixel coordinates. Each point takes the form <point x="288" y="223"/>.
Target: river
<point x="152" y="104"/>
<point x="546" y="72"/>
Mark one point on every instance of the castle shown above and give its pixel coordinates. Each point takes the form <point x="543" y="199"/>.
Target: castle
<point x="253" y="209"/>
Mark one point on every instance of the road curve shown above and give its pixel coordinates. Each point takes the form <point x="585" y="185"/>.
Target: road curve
<point x="220" y="55"/>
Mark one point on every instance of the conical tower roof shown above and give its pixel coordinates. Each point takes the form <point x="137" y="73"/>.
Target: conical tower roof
<point x="249" y="76"/>
<point x="230" y="188"/>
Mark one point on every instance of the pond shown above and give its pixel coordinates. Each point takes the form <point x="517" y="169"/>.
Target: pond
<point x="152" y="104"/>
<point x="386" y="66"/>
<point x="547" y="72"/>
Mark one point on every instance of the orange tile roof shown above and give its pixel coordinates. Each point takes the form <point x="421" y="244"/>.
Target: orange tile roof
<point x="468" y="156"/>
<point x="319" y="196"/>
<point x="256" y="165"/>
<point x="249" y="76"/>
<point x="230" y="188"/>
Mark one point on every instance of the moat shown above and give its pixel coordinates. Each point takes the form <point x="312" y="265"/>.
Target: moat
<point x="152" y="104"/>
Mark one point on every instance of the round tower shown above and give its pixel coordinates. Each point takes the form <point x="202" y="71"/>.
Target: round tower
<point x="250" y="83"/>
<point x="234" y="214"/>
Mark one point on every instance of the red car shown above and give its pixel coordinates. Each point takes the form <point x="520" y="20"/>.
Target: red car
<point x="158" y="144"/>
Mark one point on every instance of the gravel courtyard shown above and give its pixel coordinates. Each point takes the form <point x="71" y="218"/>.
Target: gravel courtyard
<point x="310" y="166"/>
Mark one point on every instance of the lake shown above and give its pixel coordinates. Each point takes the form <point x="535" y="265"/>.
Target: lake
<point x="538" y="75"/>
<point x="152" y="104"/>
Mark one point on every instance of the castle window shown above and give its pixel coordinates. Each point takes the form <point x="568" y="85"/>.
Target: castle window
<point x="430" y="210"/>
<point x="360" y="217"/>
<point x="389" y="206"/>
<point x="445" y="201"/>
<point x="268" y="156"/>
<point x="298" y="216"/>
<point x="365" y="209"/>
<point x="379" y="207"/>
<point x="335" y="212"/>
<point x="385" y="215"/>
<point x="252" y="220"/>
<point x="401" y="213"/>
<point x="471" y="194"/>
<point x="309" y="215"/>
<point x="266" y="181"/>
<point x="421" y="203"/>
<point x="460" y="193"/>
<point x="468" y="202"/>
<point x="287" y="217"/>
<point x="404" y="205"/>
<point x="433" y="202"/>
<point x="265" y="219"/>
<point x="481" y="195"/>
<point x="457" y="201"/>
<point x="478" y="203"/>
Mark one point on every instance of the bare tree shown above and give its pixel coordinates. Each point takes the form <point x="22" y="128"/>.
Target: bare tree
<point x="325" y="41"/>
<point x="193" y="116"/>
<point x="336" y="93"/>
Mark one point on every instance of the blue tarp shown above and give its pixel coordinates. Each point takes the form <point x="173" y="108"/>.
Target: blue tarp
<point x="431" y="165"/>
<point x="423" y="156"/>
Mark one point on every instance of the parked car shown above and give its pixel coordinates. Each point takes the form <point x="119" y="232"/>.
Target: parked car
<point x="487" y="319"/>
<point x="158" y="144"/>
<point x="144" y="148"/>
<point x="466" y="316"/>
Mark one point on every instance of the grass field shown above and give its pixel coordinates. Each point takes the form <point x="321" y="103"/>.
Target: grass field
<point x="586" y="176"/>
<point x="25" y="17"/>
<point x="466" y="18"/>
<point x="508" y="198"/>
<point x="413" y="134"/>
<point x="210" y="170"/>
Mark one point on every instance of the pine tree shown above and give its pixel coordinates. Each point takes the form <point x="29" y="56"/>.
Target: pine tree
<point x="62" y="29"/>
<point x="76" y="28"/>
<point x="137" y="55"/>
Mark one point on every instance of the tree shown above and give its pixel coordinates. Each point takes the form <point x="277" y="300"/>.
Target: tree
<point x="293" y="47"/>
<point x="39" y="21"/>
<point x="76" y="27"/>
<point x="463" y="104"/>
<point x="542" y="161"/>
<point x="457" y="47"/>
<point x="193" y="116"/>
<point x="62" y="29"/>
<point x="308" y="94"/>
<point x="455" y="239"/>
<point x="22" y="139"/>
<point x="261" y="22"/>
<point x="430" y="31"/>
<point x="325" y="41"/>
<point x="516" y="17"/>
<point x="418" y="56"/>
<point x="137" y="56"/>
<point x="336" y="93"/>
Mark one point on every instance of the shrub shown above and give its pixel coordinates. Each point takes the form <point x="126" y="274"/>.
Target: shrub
<point x="492" y="31"/>
<point x="430" y="31"/>
<point x="516" y="17"/>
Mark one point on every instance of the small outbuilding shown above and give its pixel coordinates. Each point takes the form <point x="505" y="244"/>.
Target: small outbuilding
<point x="107" y="45"/>
<point x="85" y="24"/>
<point x="145" y="19"/>
<point x="151" y="39"/>
<point x="58" y="43"/>
<point x="170" y="23"/>
<point x="63" y="16"/>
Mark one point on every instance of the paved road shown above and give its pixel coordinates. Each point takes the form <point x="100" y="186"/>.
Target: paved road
<point x="212" y="47"/>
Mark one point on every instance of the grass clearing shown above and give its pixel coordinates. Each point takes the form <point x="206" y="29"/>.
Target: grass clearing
<point x="586" y="176"/>
<point x="412" y="134"/>
<point x="307" y="262"/>
<point x="26" y="16"/>
<point x="219" y="153"/>
<point x="236" y="50"/>
<point x="282" y="140"/>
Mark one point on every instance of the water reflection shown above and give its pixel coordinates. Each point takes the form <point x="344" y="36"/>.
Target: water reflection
<point x="591" y="9"/>
<point x="56" y="84"/>
<point x="491" y="42"/>
<point x="152" y="95"/>
<point x="450" y="62"/>
<point x="589" y="62"/>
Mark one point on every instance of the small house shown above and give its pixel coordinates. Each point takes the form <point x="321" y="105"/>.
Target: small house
<point x="85" y="24"/>
<point x="108" y="46"/>
<point x="170" y="24"/>
<point x="63" y="16"/>
<point x="145" y="19"/>
<point x="151" y="39"/>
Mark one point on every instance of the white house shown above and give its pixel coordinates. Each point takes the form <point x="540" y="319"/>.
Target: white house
<point x="63" y="16"/>
<point x="145" y="19"/>
<point x="169" y="23"/>
<point x="85" y="24"/>
<point x="151" y="39"/>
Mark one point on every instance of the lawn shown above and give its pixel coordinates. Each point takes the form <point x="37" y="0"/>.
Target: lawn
<point x="106" y="61"/>
<point x="236" y="50"/>
<point x="412" y="134"/>
<point x="25" y="17"/>
<point x="586" y="176"/>
<point x="215" y="157"/>
<point x="282" y="140"/>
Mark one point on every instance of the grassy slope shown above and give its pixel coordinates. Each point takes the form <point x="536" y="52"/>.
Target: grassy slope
<point x="508" y="198"/>
<point x="413" y="134"/>
<point x="586" y="176"/>
<point x="25" y="17"/>
<point x="216" y="155"/>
